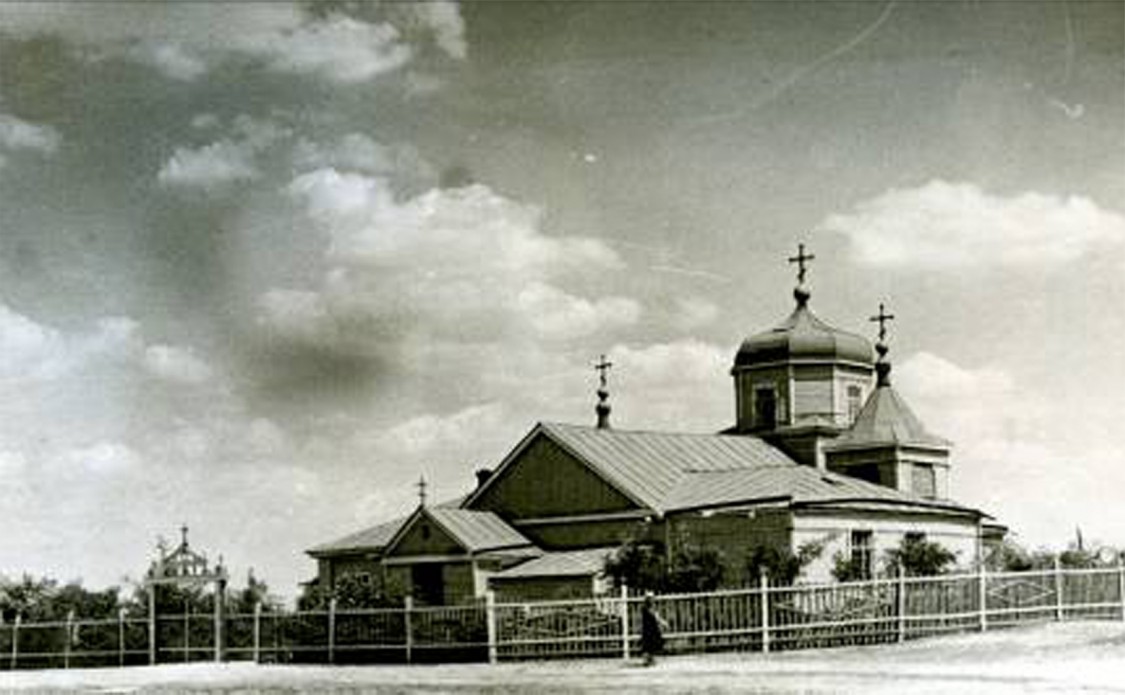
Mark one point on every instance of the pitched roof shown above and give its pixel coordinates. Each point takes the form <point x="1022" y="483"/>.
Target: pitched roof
<point x="373" y="538"/>
<point x="796" y="485"/>
<point x="477" y="531"/>
<point x="886" y="420"/>
<point x="571" y="563"/>
<point x="648" y="466"/>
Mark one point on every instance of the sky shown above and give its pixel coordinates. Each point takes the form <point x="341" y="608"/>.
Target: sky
<point x="262" y="266"/>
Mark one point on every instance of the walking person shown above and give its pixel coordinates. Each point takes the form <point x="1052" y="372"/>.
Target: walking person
<point x="652" y="631"/>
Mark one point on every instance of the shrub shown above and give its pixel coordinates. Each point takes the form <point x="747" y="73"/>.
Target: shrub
<point x="918" y="557"/>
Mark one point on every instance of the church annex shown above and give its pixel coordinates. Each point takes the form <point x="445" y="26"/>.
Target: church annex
<point x="823" y="450"/>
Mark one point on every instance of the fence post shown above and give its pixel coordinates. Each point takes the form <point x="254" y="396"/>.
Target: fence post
<point x="152" y="625"/>
<point x="69" y="636"/>
<point x="1058" y="590"/>
<point x="332" y="631"/>
<point x="982" y="595"/>
<point x="220" y="610"/>
<point x="1121" y="583"/>
<point x="765" y="606"/>
<point x="257" y="632"/>
<point x="624" y="621"/>
<point x="490" y="616"/>
<point x="120" y="636"/>
<point x="16" y="640"/>
<point x="901" y="603"/>
<point x="407" y="608"/>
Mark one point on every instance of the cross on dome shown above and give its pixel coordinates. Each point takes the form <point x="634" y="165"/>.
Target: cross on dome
<point x="801" y="259"/>
<point x="882" y="317"/>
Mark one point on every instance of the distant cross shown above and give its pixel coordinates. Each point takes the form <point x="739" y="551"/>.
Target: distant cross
<point x="602" y="367"/>
<point x="882" y="318"/>
<point x="421" y="485"/>
<point x="183" y="535"/>
<point x="801" y="259"/>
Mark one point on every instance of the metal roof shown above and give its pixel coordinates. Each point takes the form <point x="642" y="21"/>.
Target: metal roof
<point x="573" y="563"/>
<point x="803" y="335"/>
<point x="371" y="539"/>
<point x="800" y="485"/>
<point x="649" y="466"/>
<point x="477" y="531"/>
<point x="886" y="420"/>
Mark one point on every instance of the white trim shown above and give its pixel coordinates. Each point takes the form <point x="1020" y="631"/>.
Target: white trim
<point x="425" y="559"/>
<point x="579" y="518"/>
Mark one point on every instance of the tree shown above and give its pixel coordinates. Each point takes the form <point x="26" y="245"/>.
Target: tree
<point x="918" y="557"/>
<point x="647" y="566"/>
<point x="782" y="565"/>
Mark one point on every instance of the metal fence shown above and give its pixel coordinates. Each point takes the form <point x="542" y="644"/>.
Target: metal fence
<point x="762" y="618"/>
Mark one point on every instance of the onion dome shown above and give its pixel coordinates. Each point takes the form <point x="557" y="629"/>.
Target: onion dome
<point x="803" y="336"/>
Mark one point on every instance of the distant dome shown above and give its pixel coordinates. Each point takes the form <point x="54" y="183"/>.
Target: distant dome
<point x="804" y="336"/>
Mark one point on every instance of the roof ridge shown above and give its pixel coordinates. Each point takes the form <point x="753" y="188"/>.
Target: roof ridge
<point x="618" y="430"/>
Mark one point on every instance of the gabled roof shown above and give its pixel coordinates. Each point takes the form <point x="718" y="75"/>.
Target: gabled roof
<point x="570" y="563"/>
<point x="649" y="465"/>
<point x="669" y="472"/>
<point x="477" y="531"/>
<point x="886" y="420"/>
<point x="474" y="531"/>
<point x="372" y="539"/>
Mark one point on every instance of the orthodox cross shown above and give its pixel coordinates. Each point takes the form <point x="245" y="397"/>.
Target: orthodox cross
<point x="421" y="485"/>
<point x="882" y="318"/>
<point x="801" y="259"/>
<point x="602" y="367"/>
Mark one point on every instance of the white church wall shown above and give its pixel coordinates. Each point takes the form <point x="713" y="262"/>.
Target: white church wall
<point x="888" y="530"/>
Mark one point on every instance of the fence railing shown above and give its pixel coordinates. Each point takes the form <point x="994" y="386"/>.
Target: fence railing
<point x="760" y="618"/>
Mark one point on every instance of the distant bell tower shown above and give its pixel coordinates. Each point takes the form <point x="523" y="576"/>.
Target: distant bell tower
<point x="801" y="384"/>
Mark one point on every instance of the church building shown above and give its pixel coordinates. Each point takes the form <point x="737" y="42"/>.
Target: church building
<point x="823" y="451"/>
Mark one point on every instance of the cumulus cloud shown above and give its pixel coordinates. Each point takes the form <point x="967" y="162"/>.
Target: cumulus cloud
<point x="208" y="166"/>
<point x="183" y="40"/>
<point x="176" y="364"/>
<point x="357" y="152"/>
<point x="463" y="264"/>
<point x="30" y="351"/>
<point x="104" y="458"/>
<point x="677" y="386"/>
<point x="17" y="134"/>
<point x="946" y="226"/>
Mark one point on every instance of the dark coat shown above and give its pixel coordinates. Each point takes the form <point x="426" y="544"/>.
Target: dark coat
<point x="652" y="636"/>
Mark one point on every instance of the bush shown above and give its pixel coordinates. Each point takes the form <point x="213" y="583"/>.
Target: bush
<point x="782" y="565"/>
<point x="646" y="566"/>
<point x="919" y="557"/>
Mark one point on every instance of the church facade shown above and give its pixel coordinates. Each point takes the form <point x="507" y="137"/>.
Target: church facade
<point x="823" y="452"/>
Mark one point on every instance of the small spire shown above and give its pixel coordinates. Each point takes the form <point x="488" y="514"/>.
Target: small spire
<point x="801" y="293"/>
<point x="421" y="485"/>
<point x="183" y="535"/>
<point x="603" y="408"/>
<point x="882" y="366"/>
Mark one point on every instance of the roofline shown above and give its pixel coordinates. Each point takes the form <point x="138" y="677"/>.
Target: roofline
<point x="943" y="447"/>
<point x="953" y="508"/>
<point x="505" y="463"/>
<point x="544" y="429"/>
<point x="773" y="364"/>
<point x="731" y="503"/>
<point x="318" y="553"/>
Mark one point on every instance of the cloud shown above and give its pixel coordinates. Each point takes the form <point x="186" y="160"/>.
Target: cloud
<point x="357" y="152"/>
<point x="176" y="364"/>
<point x="17" y="134"/>
<point x="183" y="41"/>
<point x="677" y="386"/>
<point x="212" y="165"/>
<point x="170" y="59"/>
<point x="226" y="161"/>
<point x="461" y="265"/>
<point x="1040" y="466"/>
<point x="30" y="351"/>
<point x="947" y="226"/>
<point x="104" y="458"/>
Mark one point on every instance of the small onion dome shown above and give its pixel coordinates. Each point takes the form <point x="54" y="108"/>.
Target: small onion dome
<point x="803" y="336"/>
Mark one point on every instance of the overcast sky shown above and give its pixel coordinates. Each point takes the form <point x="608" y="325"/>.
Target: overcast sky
<point x="261" y="267"/>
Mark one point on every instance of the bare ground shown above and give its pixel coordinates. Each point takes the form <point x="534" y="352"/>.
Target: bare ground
<point x="1058" y="658"/>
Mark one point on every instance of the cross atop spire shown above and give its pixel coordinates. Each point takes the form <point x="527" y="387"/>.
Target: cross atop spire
<point x="801" y="259"/>
<point x="882" y="317"/>
<point x="421" y="485"/>
<point x="183" y="535"/>
<point x="603" y="408"/>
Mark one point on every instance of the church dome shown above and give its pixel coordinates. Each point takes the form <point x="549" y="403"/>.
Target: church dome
<point x="803" y="336"/>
